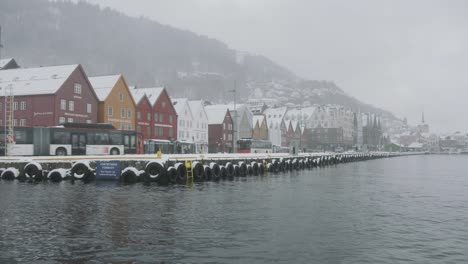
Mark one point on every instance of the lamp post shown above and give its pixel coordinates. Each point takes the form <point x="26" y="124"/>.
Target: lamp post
<point x="234" y="138"/>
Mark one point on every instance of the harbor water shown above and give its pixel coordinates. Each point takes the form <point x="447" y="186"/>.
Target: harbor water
<point x="410" y="209"/>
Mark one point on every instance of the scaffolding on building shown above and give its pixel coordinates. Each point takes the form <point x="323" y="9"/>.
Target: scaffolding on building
<point x="9" y="119"/>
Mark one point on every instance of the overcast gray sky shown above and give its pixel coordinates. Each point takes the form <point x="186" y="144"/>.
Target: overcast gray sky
<point x="404" y="56"/>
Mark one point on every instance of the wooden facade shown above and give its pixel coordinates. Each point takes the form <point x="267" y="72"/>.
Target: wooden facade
<point x="49" y="96"/>
<point x="156" y="118"/>
<point x="220" y="129"/>
<point x="260" y="130"/>
<point x="116" y="104"/>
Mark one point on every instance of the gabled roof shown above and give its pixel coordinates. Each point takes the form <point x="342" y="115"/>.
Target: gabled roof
<point x="216" y="113"/>
<point x="8" y="63"/>
<point x="179" y="104"/>
<point x="103" y="85"/>
<point x="34" y="81"/>
<point x="259" y="119"/>
<point x="275" y="114"/>
<point x="151" y="93"/>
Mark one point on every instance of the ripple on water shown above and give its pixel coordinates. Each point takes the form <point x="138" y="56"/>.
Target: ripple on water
<point x="400" y="210"/>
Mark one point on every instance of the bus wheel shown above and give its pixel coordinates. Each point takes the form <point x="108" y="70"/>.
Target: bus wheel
<point x="115" y="151"/>
<point x="61" y="152"/>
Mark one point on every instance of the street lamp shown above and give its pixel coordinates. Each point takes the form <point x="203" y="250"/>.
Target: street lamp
<point x="234" y="138"/>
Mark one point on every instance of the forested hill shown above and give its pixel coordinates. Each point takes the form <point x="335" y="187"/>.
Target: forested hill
<point x="104" y="41"/>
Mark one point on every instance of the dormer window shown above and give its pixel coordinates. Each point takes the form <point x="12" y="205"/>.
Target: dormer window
<point x="121" y="97"/>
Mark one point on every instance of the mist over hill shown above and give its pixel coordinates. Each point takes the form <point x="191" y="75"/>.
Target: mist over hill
<point x="104" y="41"/>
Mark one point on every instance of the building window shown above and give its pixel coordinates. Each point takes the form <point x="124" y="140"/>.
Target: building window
<point x="160" y="118"/>
<point x="148" y="116"/>
<point x="71" y="105"/>
<point x="170" y="119"/>
<point x="156" y="117"/>
<point x="110" y="111"/>
<point x="88" y="121"/>
<point x="138" y="129"/>
<point x="122" y="126"/>
<point x="63" y="104"/>
<point x="22" y="122"/>
<point x="163" y="104"/>
<point x="15" y="105"/>
<point x="138" y="115"/>
<point x="77" y="88"/>
<point x="129" y="127"/>
<point x="171" y="130"/>
<point x="148" y="131"/>
<point x="23" y="105"/>
<point x="1" y="122"/>
<point x="70" y="120"/>
<point x="122" y="112"/>
<point x="129" y="113"/>
<point x="89" y="108"/>
<point x="1" y="107"/>
<point x="15" y="122"/>
<point x="61" y="120"/>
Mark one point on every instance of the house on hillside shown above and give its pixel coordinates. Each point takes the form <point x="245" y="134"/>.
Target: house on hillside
<point x="220" y="129"/>
<point x="8" y="64"/>
<point x="49" y="96"/>
<point x="200" y="126"/>
<point x="116" y="104"/>
<point x="185" y="119"/>
<point x="156" y="116"/>
<point x="260" y="129"/>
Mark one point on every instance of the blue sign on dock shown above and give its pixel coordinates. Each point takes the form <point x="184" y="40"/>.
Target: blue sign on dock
<point x="108" y="170"/>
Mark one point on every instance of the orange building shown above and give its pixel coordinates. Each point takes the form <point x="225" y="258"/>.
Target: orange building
<point x="116" y="104"/>
<point x="260" y="129"/>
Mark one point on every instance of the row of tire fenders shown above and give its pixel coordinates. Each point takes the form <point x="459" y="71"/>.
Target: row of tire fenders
<point x="175" y="172"/>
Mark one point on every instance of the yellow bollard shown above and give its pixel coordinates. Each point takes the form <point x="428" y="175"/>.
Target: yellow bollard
<point x="159" y="154"/>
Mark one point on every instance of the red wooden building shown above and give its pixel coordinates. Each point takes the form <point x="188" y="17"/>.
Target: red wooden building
<point x="49" y="96"/>
<point x="220" y="130"/>
<point x="156" y="117"/>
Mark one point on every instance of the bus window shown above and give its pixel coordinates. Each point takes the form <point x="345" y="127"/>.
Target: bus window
<point x="115" y="139"/>
<point x="101" y="138"/>
<point x="24" y="136"/>
<point x="60" y="137"/>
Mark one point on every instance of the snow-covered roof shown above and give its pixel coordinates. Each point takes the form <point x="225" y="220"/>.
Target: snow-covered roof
<point x="33" y="81"/>
<point x="275" y="114"/>
<point x="179" y="104"/>
<point x="259" y="119"/>
<point x="151" y="93"/>
<point x="415" y="145"/>
<point x="103" y="85"/>
<point x="4" y="62"/>
<point x="216" y="113"/>
<point x="294" y="125"/>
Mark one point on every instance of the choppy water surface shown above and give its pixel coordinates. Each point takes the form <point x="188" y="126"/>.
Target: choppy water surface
<point x="399" y="210"/>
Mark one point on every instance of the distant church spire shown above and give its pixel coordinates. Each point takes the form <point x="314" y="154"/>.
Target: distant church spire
<point x="422" y="119"/>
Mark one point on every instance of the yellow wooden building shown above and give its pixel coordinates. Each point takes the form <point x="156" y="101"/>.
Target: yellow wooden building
<point x="116" y="104"/>
<point x="260" y="127"/>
